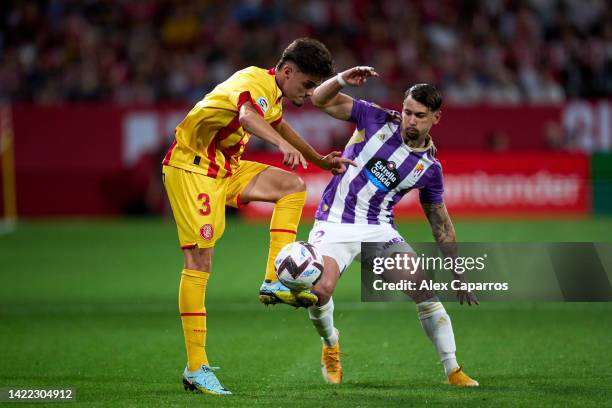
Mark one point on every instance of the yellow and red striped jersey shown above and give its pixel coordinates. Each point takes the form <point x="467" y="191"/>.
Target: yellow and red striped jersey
<point x="210" y="139"/>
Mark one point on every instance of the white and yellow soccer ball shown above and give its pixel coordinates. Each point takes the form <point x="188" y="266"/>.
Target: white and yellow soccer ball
<point x="298" y="265"/>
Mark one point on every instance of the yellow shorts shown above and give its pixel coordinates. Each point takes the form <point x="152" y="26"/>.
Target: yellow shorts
<point x="198" y="201"/>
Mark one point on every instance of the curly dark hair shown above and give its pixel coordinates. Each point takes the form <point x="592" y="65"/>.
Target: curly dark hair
<point x="310" y="56"/>
<point x="426" y="95"/>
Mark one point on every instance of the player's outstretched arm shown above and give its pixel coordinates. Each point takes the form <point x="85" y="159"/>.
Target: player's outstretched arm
<point x="332" y="161"/>
<point x="328" y="98"/>
<point x="444" y="233"/>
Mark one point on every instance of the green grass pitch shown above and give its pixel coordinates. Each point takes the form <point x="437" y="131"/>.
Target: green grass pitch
<point x="92" y="305"/>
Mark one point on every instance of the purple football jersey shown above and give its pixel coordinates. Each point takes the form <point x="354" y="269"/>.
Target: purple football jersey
<point x="386" y="170"/>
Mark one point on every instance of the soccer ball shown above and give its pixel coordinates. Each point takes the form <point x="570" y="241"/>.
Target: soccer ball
<point x="298" y="265"/>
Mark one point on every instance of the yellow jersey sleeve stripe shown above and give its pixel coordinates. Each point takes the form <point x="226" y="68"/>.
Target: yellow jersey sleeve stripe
<point x="246" y="97"/>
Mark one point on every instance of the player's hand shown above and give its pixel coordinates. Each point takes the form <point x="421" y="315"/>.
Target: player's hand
<point x="464" y="295"/>
<point x="336" y="163"/>
<point x="358" y="76"/>
<point x="469" y="297"/>
<point x="291" y="156"/>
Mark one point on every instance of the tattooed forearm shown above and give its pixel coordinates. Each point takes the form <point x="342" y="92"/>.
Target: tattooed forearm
<point x="441" y="228"/>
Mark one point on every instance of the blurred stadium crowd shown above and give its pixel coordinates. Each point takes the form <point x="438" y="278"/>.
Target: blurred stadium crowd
<point x="146" y="51"/>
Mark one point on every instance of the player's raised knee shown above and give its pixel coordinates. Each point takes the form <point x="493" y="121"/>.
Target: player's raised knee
<point x="298" y="185"/>
<point x="292" y="184"/>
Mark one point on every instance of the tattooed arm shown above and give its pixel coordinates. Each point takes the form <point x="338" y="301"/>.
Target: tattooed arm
<point x="444" y="234"/>
<point x="441" y="228"/>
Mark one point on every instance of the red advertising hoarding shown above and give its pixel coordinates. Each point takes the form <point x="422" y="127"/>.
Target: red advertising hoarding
<point x="105" y="160"/>
<point x="482" y="184"/>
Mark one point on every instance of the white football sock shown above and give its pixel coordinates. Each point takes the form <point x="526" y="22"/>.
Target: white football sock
<point x="437" y="324"/>
<point x="322" y="317"/>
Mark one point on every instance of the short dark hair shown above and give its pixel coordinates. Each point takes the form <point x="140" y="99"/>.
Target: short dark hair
<point x="426" y="95"/>
<point x="310" y="56"/>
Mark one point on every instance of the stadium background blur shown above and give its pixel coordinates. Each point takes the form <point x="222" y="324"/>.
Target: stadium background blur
<point x="496" y="51"/>
<point x="91" y="91"/>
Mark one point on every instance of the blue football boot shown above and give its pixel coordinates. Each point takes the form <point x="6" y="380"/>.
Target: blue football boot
<point x="204" y="381"/>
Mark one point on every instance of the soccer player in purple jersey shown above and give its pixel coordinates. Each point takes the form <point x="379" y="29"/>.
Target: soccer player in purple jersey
<point x="393" y="153"/>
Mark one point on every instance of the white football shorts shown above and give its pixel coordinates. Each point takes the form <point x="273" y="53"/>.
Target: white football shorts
<point x="342" y="242"/>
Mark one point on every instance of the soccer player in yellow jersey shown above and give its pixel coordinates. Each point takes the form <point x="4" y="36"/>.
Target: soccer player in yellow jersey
<point x="203" y="173"/>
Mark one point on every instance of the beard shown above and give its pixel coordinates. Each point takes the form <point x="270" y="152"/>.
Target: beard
<point x="298" y="103"/>
<point x="412" y="134"/>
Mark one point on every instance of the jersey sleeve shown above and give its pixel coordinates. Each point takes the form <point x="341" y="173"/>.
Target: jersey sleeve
<point x="359" y="112"/>
<point x="364" y="113"/>
<point x="255" y="87"/>
<point x="245" y="91"/>
<point x="433" y="190"/>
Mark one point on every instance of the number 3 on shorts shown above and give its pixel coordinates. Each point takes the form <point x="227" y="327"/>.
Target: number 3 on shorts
<point x="205" y="198"/>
